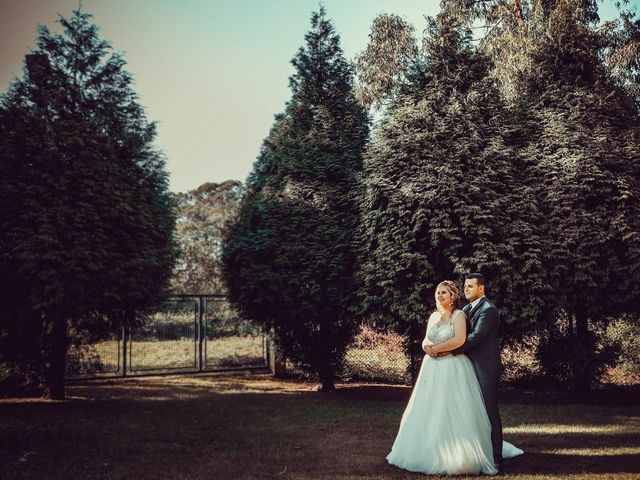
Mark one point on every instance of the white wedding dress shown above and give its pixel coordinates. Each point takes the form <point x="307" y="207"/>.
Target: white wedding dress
<point x="445" y="428"/>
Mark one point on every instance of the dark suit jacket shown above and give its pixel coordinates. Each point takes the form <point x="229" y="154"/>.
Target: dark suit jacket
<point x="481" y="346"/>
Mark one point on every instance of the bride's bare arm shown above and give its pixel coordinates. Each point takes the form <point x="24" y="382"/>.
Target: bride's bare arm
<point x="459" y="335"/>
<point x="426" y="341"/>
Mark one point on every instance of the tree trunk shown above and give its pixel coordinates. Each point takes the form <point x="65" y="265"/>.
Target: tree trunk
<point x="326" y="381"/>
<point x="584" y="358"/>
<point x="55" y="359"/>
<point x="277" y="362"/>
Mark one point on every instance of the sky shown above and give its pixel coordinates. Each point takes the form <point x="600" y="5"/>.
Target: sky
<point x="211" y="73"/>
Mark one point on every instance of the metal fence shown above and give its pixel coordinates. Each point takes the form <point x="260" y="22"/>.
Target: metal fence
<point x="199" y="333"/>
<point x="372" y="356"/>
<point x="191" y="333"/>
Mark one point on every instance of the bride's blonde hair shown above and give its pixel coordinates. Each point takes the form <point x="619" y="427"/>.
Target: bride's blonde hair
<point x="455" y="295"/>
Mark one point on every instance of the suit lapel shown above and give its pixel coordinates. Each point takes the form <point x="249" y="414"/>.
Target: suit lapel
<point x="475" y="309"/>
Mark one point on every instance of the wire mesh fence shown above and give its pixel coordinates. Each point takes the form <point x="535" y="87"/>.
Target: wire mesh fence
<point x="230" y="340"/>
<point x="102" y="357"/>
<point x="193" y="333"/>
<point x="372" y="356"/>
<point x="169" y="341"/>
<point x="189" y="333"/>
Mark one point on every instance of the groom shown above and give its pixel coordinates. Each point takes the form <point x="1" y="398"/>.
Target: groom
<point x="482" y="348"/>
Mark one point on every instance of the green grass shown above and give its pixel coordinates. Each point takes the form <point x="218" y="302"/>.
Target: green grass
<point x="250" y="426"/>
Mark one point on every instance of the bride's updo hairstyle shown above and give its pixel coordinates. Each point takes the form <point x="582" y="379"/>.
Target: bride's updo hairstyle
<point x="455" y="294"/>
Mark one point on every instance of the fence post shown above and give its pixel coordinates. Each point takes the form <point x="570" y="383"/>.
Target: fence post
<point x="277" y="365"/>
<point x="201" y="333"/>
<point x="124" y="351"/>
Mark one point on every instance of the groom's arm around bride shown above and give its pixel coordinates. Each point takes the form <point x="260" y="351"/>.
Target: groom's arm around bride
<point x="485" y="325"/>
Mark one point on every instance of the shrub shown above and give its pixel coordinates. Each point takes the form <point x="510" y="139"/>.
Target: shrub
<point x="376" y="355"/>
<point x="626" y="331"/>
<point x="563" y="355"/>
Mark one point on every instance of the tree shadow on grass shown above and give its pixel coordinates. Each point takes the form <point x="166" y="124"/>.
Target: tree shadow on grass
<point x="611" y="423"/>
<point x="374" y="392"/>
<point x="253" y="426"/>
<point x="572" y="464"/>
<point x="614" y="396"/>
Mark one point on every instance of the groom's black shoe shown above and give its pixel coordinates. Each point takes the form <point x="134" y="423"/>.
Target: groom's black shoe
<point x="499" y="467"/>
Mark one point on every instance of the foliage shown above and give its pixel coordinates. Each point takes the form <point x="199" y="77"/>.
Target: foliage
<point x="515" y="13"/>
<point x="583" y="149"/>
<point x="375" y="355"/>
<point x="201" y="215"/>
<point x="626" y="332"/>
<point x="562" y="149"/>
<point x="541" y="361"/>
<point x="519" y="364"/>
<point x="505" y="31"/>
<point x="289" y="259"/>
<point x="391" y="52"/>
<point x="83" y="359"/>
<point x="445" y="193"/>
<point x="85" y="215"/>
<point x="511" y="29"/>
<point x="569" y="359"/>
<point x="621" y="51"/>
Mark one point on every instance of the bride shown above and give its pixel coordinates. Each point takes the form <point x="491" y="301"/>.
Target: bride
<point x="445" y="428"/>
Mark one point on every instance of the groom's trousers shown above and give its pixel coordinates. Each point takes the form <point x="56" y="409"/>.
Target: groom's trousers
<point x="489" y="387"/>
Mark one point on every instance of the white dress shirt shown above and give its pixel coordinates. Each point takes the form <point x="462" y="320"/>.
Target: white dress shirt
<point x="475" y="302"/>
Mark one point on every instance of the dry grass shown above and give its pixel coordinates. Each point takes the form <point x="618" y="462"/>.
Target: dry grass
<point x="154" y="355"/>
<point x="252" y="426"/>
<point x="168" y="354"/>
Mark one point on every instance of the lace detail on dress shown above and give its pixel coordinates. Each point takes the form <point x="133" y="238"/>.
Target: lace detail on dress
<point x="441" y="332"/>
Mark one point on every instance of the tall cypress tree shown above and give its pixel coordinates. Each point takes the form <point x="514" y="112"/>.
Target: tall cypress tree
<point x="85" y="215"/>
<point x="585" y="155"/>
<point x="446" y="192"/>
<point x="289" y="256"/>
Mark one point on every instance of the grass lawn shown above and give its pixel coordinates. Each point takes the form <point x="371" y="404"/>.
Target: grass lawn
<point x="246" y="426"/>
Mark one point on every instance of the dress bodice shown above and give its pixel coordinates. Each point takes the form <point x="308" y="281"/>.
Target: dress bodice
<point x="441" y="332"/>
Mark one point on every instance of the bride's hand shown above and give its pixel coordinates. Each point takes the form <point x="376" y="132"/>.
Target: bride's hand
<point x="437" y="354"/>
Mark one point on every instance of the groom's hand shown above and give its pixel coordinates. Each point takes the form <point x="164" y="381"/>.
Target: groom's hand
<point x="430" y="352"/>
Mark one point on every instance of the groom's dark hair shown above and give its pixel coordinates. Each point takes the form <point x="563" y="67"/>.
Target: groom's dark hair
<point x="478" y="276"/>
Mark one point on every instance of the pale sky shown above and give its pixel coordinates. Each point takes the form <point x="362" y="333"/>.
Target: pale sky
<point x="212" y="73"/>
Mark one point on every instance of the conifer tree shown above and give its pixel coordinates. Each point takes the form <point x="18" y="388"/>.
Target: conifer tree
<point x="446" y="193"/>
<point x="289" y="256"/>
<point x="85" y="216"/>
<point x="584" y="153"/>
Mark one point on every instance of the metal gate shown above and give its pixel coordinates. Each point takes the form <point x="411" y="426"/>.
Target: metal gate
<point x="191" y="333"/>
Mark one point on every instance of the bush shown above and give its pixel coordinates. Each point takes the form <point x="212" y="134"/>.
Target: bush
<point x="519" y="363"/>
<point x="626" y="332"/>
<point x="19" y="380"/>
<point x="83" y="360"/>
<point x="565" y="358"/>
<point x="376" y="355"/>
